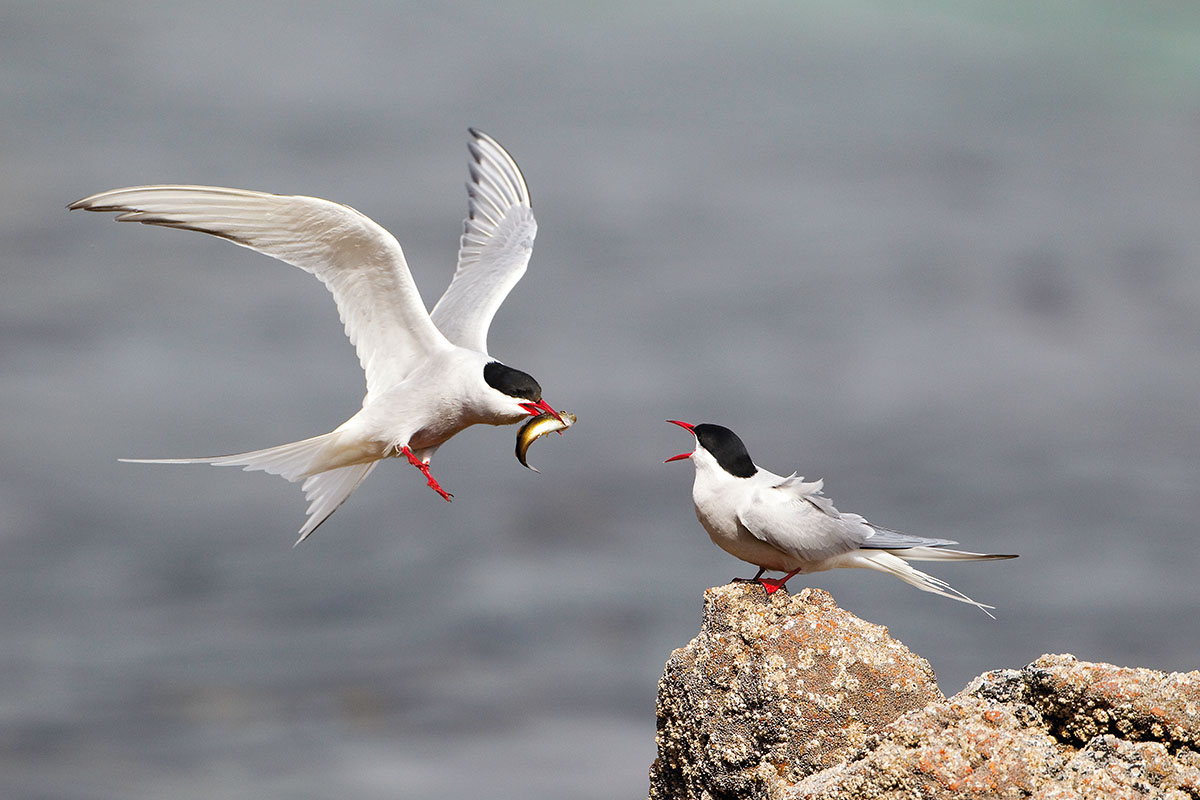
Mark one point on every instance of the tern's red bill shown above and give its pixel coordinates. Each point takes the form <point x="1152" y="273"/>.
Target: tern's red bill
<point x="541" y="407"/>
<point x="690" y="429"/>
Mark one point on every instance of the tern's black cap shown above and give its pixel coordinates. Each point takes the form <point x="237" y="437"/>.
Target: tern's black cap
<point x="512" y="382"/>
<point x="726" y="448"/>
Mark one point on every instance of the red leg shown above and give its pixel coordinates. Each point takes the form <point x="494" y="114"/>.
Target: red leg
<point x="772" y="586"/>
<point x="421" y="465"/>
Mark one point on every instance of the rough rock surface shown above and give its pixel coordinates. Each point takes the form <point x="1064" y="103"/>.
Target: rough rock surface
<point x="769" y="702"/>
<point x="1059" y="728"/>
<point x="775" y="688"/>
<point x="1080" y="700"/>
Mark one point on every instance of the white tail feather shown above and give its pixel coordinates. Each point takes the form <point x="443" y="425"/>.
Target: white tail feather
<point x="890" y="563"/>
<point x="326" y="491"/>
<point x="292" y="461"/>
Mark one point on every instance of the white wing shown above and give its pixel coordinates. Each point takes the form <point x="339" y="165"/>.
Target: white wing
<point x="796" y="518"/>
<point x="357" y="260"/>
<point x="496" y="244"/>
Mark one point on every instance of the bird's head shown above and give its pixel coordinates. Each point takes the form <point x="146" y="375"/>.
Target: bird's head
<point x="519" y="387"/>
<point x="721" y="444"/>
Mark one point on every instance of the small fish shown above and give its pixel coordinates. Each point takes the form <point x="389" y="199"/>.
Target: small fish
<point x="538" y="427"/>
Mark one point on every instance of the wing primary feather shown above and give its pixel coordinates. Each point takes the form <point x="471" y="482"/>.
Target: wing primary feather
<point x="503" y="161"/>
<point x="494" y="248"/>
<point x="483" y="190"/>
<point x="501" y="195"/>
<point x="483" y="208"/>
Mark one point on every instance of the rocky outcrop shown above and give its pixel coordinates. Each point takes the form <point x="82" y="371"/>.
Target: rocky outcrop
<point x="775" y="688"/>
<point x="792" y="697"/>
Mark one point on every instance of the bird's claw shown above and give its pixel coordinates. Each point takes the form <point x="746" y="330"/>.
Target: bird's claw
<point x="434" y="485"/>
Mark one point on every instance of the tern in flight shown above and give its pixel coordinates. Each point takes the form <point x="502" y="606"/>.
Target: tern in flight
<point x="429" y="374"/>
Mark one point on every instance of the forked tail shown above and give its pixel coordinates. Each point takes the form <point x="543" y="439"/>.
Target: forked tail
<point x="893" y="563"/>
<point x="294" y="461"/>
<point x="326" y="491"/>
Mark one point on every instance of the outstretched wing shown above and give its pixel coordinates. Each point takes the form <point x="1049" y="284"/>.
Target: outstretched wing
<point x="796" y="518"/>
<point x="496" y="244"/>
<point x="357" y="260"/>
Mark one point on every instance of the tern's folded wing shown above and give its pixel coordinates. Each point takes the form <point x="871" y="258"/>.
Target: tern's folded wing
<point x="357" y="260"/>
<point x="801" y="524"/>
<point x="888" y="539"/>
<point x="496" y="244"/>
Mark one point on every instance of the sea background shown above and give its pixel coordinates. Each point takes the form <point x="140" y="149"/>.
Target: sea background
<point x="945" y="256"/>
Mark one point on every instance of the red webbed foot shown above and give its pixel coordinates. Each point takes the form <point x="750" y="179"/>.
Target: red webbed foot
<point x="774" y="585"/>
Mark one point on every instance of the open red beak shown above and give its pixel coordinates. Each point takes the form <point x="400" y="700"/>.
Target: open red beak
<point x="690" y="429"/>
<point x="540" y="407"/>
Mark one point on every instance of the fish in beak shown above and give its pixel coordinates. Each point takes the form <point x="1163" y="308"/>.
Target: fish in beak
<point x="550" y="421"/>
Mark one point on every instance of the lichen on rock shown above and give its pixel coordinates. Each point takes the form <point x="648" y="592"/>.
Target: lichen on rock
<point x="792" y="697"/>
<point x="775" y="688"/>
<point x="1080" y="700"/>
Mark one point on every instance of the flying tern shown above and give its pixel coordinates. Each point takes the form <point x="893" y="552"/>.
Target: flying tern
<point x="428" y="374"/>
<point x="787" y="525"/>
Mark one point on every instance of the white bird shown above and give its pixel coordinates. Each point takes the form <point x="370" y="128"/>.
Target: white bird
<point x="428" y="374"/>
<point x="786" y="525"/>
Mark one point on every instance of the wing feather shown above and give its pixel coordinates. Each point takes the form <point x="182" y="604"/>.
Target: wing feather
<point x="888" y="539"/>
<point x="794" y="517"/>
<point x="496" y="243"/>
<point x="360" y="263"/>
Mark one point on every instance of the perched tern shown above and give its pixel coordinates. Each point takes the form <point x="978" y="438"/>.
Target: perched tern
<point x="786" y="525"/>
<point x="428" y="374"/>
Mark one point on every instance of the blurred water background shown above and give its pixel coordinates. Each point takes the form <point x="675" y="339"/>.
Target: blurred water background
<point x="945" y="256"/>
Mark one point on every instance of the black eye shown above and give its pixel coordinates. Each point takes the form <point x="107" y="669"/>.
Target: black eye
<point x="512" y="382"/>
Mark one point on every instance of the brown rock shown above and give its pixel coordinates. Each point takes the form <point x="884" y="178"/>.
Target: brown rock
<point x="1108" y="767"/>
<point x="792" y="697"/>
<point x="1080" y="700"/>
<point x="775" y="688"/>
<point x="1059" y="728"/>
<point x="964" y="747"/>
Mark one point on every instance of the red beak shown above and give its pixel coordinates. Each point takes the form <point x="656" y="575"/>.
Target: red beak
<point x="540" y="407"/>
<point x="690" y="429"/>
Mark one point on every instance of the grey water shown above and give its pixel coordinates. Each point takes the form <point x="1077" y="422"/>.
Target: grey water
<point x="944" y="256"/>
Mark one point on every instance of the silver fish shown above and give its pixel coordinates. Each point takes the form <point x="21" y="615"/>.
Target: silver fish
<point x="538" y="427"/>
